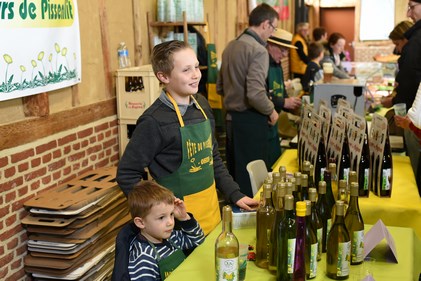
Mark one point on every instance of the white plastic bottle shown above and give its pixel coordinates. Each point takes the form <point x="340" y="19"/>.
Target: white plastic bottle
<point x="123" y="56"/>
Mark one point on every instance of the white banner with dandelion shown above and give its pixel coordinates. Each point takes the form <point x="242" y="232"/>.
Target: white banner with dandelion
<point x="40" y="49"/>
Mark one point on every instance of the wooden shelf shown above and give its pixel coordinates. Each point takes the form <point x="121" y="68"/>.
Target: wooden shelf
<point x="172" y="24"/>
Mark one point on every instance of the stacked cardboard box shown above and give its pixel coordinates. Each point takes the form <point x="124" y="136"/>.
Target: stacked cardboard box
<point x="72" y="228"/>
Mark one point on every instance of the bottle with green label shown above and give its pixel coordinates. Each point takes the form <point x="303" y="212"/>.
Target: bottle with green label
<point x="226" y="249"/>
<point x="355" y="226"/>
<point x="311" y="247"/>
<point x="265" y="217"/>
<point x="338" y="253"/>
<point x="300" y="245"/>
<point x="286" y="242"/>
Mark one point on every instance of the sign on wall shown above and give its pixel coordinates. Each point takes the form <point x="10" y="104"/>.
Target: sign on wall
<point x="40" y="46"/>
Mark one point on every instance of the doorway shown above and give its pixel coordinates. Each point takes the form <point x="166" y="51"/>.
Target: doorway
<point x="340" y="20"/>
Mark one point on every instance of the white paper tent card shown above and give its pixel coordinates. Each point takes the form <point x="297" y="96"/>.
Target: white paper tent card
<point x="374" y="236"/>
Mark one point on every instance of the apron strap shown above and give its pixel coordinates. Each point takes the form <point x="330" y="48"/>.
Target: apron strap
<point x="177" y="110"/>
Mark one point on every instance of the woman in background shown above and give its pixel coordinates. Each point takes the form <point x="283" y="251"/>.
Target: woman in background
<point x="334" y="54"/>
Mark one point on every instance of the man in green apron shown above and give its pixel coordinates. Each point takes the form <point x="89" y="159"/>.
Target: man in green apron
<point x="242" y="82"/>
<point x="278" y="46"/>
<point x="174" y="139"/>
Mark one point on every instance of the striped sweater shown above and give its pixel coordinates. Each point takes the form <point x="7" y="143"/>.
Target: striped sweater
<point x="143" y="263"/>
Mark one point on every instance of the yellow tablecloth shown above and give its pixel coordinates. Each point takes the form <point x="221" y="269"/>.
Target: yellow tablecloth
<point x="402" y="209"/>
<point x="200" y="264"/>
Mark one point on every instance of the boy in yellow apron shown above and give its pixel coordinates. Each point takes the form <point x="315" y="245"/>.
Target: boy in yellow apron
<point x="174" y="139"/>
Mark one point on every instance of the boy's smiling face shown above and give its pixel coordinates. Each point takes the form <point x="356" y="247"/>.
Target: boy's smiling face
<point x="183" y="80"/>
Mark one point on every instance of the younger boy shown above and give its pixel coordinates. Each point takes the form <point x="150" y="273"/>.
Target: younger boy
<point x="313" y="71"/>
<point x="157" y="250"/>
<point x="174" y="138"/>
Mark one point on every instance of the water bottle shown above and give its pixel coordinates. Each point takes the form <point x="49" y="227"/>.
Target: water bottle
<point x="123" y="56"/>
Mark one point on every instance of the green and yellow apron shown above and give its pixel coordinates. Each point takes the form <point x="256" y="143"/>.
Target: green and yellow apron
<point x="170" y="263"/>
<point x="194" y="180"/>
<point x="276" y="89"/>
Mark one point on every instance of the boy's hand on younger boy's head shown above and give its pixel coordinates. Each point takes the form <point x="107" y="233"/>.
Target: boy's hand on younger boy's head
<point x="180" y="212"/>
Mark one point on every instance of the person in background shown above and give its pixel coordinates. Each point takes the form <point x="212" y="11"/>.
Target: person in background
<point x="397" y="35"/>
<point x="168" y="136"/>
<point x="242" y="83"/>
<point x="279" y="44"/>
<point x="313" y="72"/>
<point x="158" y="249"/>
<point x="320" y="35"/>
<point x="298" y="57"/>
<point x="334" y="54"/>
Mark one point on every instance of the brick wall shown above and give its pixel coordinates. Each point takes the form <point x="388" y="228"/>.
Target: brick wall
<point x="32" y="168"/>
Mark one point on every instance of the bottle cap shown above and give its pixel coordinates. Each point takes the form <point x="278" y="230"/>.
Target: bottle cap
<point x="300" y="209"/>
<point x="308" y="207"/>
<point x="289" y="202"/>
<point x="304" y="180"/>
<point x="340" y="210"/>
<point x="227" y="213"/>
<point x="352" y="177"/>
<point x="281" y="189"/>
<point x="289" y="188"/>
<point x="268" y="180"/>
<point x="342" y="184"/>
<point x="293" y="182"/>
<point x="306" y="166"/>
<point x="322" y="187"/>
<point x="297" y="176"/>
<point x="267" y="189"/>
<point x="354" y="189"/>
<point x="276" y="176"/>
<point x="311" y="170"/>
<point x="312" y="194"/>
<point x="282" y="169"/>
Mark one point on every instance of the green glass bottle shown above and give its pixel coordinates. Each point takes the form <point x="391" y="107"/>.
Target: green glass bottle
<point x="265" y="217"/>
<point x="355" y="225"/>
<point x="226" y="249"/>
<point x="339" y="250"/>
<point x="286" y="242"/>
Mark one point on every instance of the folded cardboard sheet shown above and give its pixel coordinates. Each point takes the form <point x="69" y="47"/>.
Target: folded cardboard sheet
<point x="72" y="228"/>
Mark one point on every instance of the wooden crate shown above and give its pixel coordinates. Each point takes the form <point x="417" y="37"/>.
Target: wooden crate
<point x="130" y="105"/>
<point x="125" y="129"/>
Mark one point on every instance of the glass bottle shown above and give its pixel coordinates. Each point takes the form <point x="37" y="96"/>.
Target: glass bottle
<point x="329" y="192"/>
<point x="297" y="176"/>
<point x="339" y="250"/>
<point x="226" y="249"/>
<point x="300" y="242"/>
<point x="364" y="170"/>
<point x="321" y="163"/>
<point x="279" y="214"/>
<point x="283" y="172"/>
<point x="265" y="217"/>
<point x="304" y="187"/>
<point x="334" y="178"/>
<point x="324" y="212"/>
<point x="386" y="172"/>
<point x="344" y="160"/>
<point x="316" y="221"/>
<point x="286" y="242"/>
<point x="342" y="196"/>
<point x="355" y="225"/>
<point x="311" y="245"/>
<point x="311" y="182"/>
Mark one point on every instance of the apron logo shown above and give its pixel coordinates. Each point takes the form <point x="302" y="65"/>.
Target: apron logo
<point x="197" y="150"/>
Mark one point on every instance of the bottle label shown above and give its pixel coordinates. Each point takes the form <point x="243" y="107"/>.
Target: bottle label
<point x="227" y="269"/>
<point x="366" y="175"/>
<point x="313" y="260"/>
<point x="386" y="179"/>
<point x="291" y="255"/>
<point x="342" y="265"/>
<point x="346" y="174"/>
<point x="329" y="226"/>
<point x="357" y="246"/>
<point x="123" y="53"/>
<point x="322" y="174"/>
<point x="319" y="236"/>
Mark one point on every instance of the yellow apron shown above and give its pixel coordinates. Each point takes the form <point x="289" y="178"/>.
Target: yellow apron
<point x="194" y="180"/>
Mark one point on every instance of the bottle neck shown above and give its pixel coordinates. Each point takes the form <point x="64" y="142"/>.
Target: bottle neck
<point x="226" y="226"/>
<point x="353" y="203"/>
